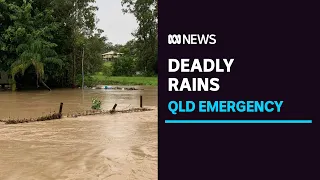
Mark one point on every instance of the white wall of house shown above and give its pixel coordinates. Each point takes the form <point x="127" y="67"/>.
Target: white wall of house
<point x="111" y="56"/>
<point x="4" y="77"/>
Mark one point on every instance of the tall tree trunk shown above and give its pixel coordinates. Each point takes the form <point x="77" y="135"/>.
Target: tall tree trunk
<point x="82" y="68"/>
<point x="14" y="85"/>
<point x="74" y="66"/>
<point x="37" y="79"/>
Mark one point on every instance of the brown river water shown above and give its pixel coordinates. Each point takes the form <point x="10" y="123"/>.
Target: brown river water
<point x="120" y="146"/>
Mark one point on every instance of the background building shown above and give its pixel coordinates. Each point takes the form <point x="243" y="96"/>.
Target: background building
<point x="110" y="56"/>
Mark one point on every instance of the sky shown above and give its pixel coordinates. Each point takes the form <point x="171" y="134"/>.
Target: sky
<point x="116" y="25"/>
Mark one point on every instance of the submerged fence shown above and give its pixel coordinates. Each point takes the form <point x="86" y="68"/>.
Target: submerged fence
<point x="79" y="109"/>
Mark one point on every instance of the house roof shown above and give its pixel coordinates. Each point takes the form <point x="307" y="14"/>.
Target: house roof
<point x="111" y="53"/>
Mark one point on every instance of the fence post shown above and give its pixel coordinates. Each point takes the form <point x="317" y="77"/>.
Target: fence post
<point x="60" y="110"/>
<point x="114" y="107"/>
<point x="140" y="101"/>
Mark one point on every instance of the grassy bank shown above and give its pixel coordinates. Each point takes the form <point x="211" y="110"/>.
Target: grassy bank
<point x="116" y="80"/>
<point x="105" y="78"/>
<point x="100" y="79"/>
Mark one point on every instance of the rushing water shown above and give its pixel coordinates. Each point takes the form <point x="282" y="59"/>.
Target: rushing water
<point x="120" y="146"/>
<point x="26" y="104"/>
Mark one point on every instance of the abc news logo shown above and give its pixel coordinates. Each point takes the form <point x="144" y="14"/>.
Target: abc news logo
<point x="191" y="39"/>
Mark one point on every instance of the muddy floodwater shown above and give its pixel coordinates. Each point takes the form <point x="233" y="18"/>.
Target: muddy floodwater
<point x="119" y="146"/>
<point x="28" y="104"/>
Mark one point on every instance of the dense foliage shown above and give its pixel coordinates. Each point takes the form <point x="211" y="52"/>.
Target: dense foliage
<point x="146" y="13"/>
<point x="46" y="40"/>
<point x="96" y="104"/>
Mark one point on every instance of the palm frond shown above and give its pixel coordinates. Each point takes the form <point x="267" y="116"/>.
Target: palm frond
<point x="49" y="53"/>
<point x="19" y="68"/>
<point x="38" y="67"/>
<point x="36" y="46"/>
<point x="53" y="60"/>
<point x="22" y="48"/>
<point x="26" y="56"/>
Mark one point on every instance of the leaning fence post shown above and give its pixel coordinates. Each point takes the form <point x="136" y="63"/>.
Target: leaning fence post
<point x="140" y="101"/>
<point x="114" y="107"/>
<point x="60" y="110"/>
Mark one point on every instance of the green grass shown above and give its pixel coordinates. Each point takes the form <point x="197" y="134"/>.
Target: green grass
<point x="109" y="64"/>
<point x="100" y="79"/>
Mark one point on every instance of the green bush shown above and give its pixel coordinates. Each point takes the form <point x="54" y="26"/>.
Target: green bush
<point x="96" y="104"/>
<point x="107" y="70"/>
<point x="124" y="66"/>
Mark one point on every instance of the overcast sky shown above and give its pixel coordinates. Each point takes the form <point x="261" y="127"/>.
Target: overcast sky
<point x="116" y="25"/>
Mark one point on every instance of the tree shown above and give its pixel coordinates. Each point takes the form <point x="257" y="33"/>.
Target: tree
<point x="94" y="46"/>
<point x="50" y="36"/>
<point x="146" y="13"/>
<point x="7" y="54"/>
<point x="35" y="53"/>
<point x="82" y="21"/>
<point x="77" y="23"/>
<point x="123" y="66"/>
<point x="30" y="36"/>
<point x="3" y="23"/>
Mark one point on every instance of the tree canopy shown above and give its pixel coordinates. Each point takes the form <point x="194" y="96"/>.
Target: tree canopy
<point x="47" y="39"/>
<point x="146" y="13"/>
<point x="49" y="35"/>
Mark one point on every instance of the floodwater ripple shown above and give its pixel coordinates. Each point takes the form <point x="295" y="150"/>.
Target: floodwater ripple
<point x="120" y="146"/>
<point x="31" y="104"/>
<point x="115" y="147"/>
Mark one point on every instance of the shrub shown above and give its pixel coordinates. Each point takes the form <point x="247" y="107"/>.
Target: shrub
<point x="107" y="70"/>
<point x="124" y="66"/>
<point x="96" y="104"/>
